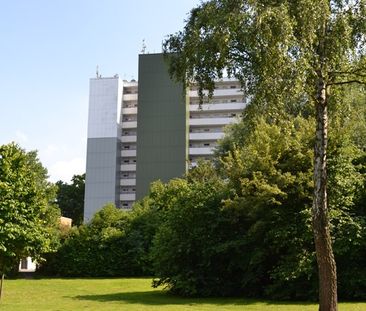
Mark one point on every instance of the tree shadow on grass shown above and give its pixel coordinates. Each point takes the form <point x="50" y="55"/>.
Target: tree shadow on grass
<point x="163" y="298"/>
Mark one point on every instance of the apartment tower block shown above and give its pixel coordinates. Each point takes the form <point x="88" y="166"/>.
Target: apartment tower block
<point x="139" y="132"/>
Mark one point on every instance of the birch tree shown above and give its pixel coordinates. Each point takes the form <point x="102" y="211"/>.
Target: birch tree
<point x="280" y="50"/>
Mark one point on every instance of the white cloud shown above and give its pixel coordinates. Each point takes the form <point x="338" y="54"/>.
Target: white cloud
<point x="64" y="170"/>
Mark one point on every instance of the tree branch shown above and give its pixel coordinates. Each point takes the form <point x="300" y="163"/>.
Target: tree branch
<point x="347" y="82"/>
<point x="357" y="72"/>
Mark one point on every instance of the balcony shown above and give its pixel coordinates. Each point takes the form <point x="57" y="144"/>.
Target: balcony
<point x="128" y="167"/>
<point x="129" y="97"/>
<point x="132" y="110"/>
<point x="206" y="136"/>
<point x="130" y="84"/>
<point x="201" y="151"/>
<point x="218" y="107"/>
<point x="129" y="124"/>
<point x="128" y="182"/>
<point x="219" y="93"/>
<point x="127" y="197"/>
<point x="211" y="121"/>
<point x="129" y="139"/>
<point x="128" y="153"/>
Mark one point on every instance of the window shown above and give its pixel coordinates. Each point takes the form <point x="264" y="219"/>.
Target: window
<point x="233" y="100"/>
<point x="206" y="144"/>
<point x="126" y="161"/>
<point x="126" y="147"/>
<point x="24" y="264"/>
<point x="232" y="86"/>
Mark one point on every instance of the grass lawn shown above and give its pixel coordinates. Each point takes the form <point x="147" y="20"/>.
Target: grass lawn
<point x="126" y="294"/>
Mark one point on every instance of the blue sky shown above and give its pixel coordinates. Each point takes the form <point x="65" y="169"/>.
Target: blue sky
<point x="50" y="49"/>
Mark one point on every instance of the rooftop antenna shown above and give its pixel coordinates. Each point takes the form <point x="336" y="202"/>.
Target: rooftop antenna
<point x="97" y="73"/>
<point x="143" y="50"/>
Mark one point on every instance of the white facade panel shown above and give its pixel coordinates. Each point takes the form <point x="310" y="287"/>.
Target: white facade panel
<point x="201" y="151"/>
<point x="127" y="197"/>
<point x="104" y="107"/>
<point x="206" y="136"/>
<point x="128" y="167"/>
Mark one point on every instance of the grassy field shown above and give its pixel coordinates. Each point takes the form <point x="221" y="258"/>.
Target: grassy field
<point x="126" y="294"/>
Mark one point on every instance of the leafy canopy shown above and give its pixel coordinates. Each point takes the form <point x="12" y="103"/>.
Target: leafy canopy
<point x="28" y="216"/>
<point x="275" y="48"/>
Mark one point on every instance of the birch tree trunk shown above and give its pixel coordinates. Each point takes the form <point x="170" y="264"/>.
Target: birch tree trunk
<point x="1" y="285"/>
<point x="323" y="243"/>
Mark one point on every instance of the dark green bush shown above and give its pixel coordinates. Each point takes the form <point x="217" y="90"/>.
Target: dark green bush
<point x="115" y="243"/>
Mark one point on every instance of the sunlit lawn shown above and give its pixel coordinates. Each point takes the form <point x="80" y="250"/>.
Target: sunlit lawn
<point x="125" y="294"/>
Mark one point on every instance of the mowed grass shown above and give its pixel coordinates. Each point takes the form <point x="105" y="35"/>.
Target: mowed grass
<point x="126" y="294"/>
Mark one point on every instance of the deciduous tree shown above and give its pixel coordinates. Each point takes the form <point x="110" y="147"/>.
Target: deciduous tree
<point x="28" y="216"/>
<point x="70" y="198"/>
<point x="278" y="50"/>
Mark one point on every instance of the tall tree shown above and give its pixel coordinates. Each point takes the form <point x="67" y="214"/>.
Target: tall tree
<point x="28" y="215"/>
<point x="281" y="49"/>
<point x="70" y="198"/>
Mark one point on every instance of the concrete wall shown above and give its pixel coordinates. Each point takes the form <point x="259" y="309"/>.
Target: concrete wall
<point x="103" y="146"/>
<point x="102" y="178"/>
<point x="162" y="131"/>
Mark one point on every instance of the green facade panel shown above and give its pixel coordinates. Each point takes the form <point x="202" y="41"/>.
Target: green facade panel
<point x="162" y="131"/>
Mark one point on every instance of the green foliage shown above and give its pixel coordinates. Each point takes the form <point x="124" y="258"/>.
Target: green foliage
<point x="114" y="243"/>
<point x="70" y="198"/>
<point x="280" y="51"/>
<point x="236" y="237"/>
<point x="277" y="49"/>
<point x="272" y="179"/>
<point x="28" y="217"/>
<point x="245" y="227"/>
<point x="187" y="250"/>
<point x="241" y="226"/>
